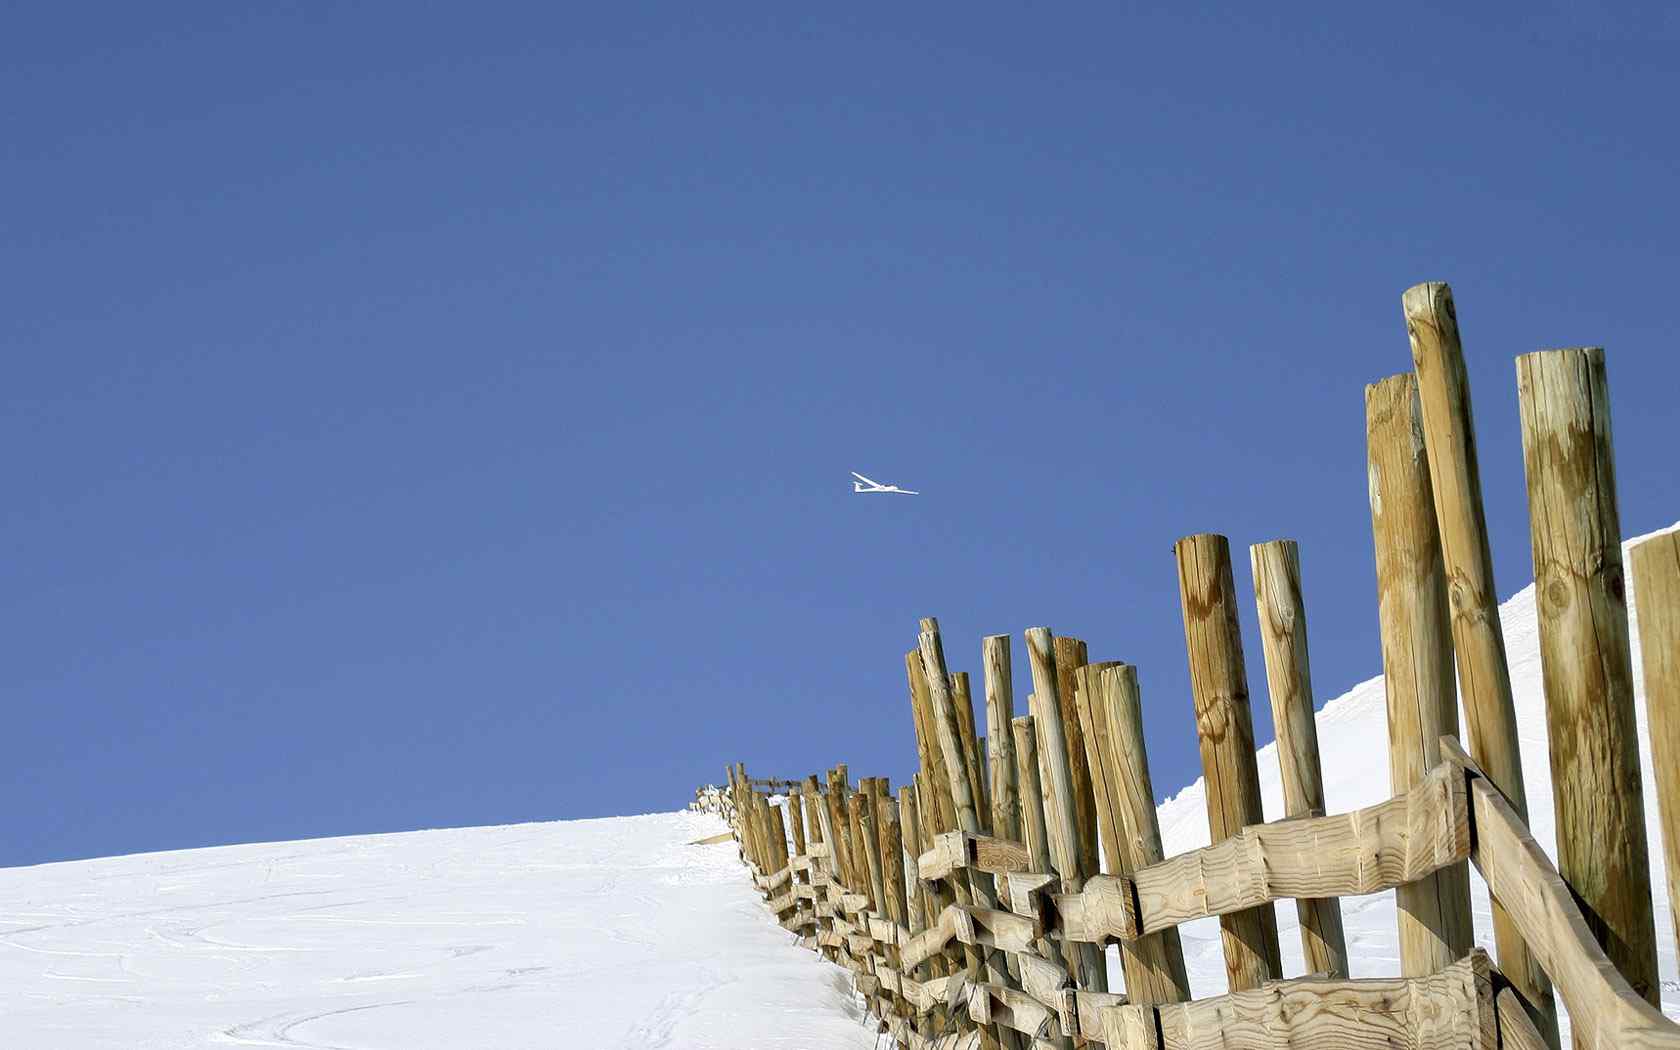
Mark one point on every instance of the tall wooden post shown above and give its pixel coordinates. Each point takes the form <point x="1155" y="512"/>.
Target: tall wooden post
<point x="1434" y="912"/>
<point x="948" y="726"/>
<point x="1585" y="658"/>
<point x="1000" y="711"/>
<point x="1070" y="655"/>
<point x="1143" y="960"/>
<point x="1656" y="596"/>
<point x="1034" y="831"/>
<point x="1085" y="961"/>
<point x="1283" y="635"/>
<point x="1225" y="730"/>
<point x="1137" y="826"/>
<point x="1484" y="677"/>
<point x="963" y="701"/>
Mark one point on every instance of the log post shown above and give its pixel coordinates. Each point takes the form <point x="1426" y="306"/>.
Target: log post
<point x="863" y="804"/>
<point x="1000" y="712"/>
<point x="936" y="809"/>
<point x="948" y="726"/>
<point x="963" y="700"/>
<point x="1137" y="826"/>
<point x="1070" y="655"/>
<point x="1225" y="731"/>
<point x="839" y="852"/>
<point x="1034" y="831"/>
<point x="1085" y="961"/>
<point x="1585" y="658"/>
<point x="796" y="818"/>
<point x="1656" y="597"/>
<point x="1283" y="635"/>
<point x="1434" y="912"/>
<point x="1484" y="676"/>
<point x="1094" y="728"/>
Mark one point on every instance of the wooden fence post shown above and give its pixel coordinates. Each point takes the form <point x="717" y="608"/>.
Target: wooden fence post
<point x="1585" y="658"/>
<point x="1484" y="676"/>
<point x="1283" y="635"/>
<point x="1138" y="960"/>
<point x="1000" y="712"/>
<point x="1138" y="825"/>
<point x="1434" y="912"/>
<point x="1070" y="655"/>
<point x="1225" y="730"/>
<point x="963" y="701"/>
<point x="1656" y="597"/>
<point x="948" y="725"/>
<point x="1085" y="961"/>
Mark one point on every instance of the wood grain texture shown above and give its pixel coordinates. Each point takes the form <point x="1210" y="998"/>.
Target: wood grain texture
<point x="1276" y="567"/>
<point x="963" y="700"/>
<point x="1061" y="814"/>
<point x="1656" y="595"/>
<point x="1449" y="1010"/>
<point x="1109" y="704"/>
<point x="1225" y="732"/>
<point x="1605" y="1011"/>
<point x="1484" y="678"/>
<point x="1585" y="659"/>
<point x="1434" y="913"/>
<point x="1000" y="712"/>
<point x="1368" y="850"/>
<point x="1070" y="655"/>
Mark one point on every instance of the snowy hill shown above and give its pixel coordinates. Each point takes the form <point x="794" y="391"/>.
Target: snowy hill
<point x="595" y="933"/>
<point x="604" y="933"/>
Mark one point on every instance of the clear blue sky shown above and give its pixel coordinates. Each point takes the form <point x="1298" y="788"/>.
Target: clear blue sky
<point x="422" y="415"/>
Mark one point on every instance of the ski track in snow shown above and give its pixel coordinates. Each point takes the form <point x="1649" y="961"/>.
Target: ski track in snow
<point x="597" y="933"/>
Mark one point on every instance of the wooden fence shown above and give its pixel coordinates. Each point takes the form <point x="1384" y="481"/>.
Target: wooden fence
<point x="975" y="906"/>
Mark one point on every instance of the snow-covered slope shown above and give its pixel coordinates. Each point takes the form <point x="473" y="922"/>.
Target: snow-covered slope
<point x="596" y="933"/>
<point x="1353" y="744"/>
<point x="602" y="934"/>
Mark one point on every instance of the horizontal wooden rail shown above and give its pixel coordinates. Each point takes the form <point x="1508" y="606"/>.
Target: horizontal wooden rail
<point x="1453" y="1008"/>
<point x="956" y="850"/>
<point x="1604" y="1010"/>
<point x="1365" y="851"/>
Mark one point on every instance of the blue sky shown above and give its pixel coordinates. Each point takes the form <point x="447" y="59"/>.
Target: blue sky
<point x="423" y="416"/>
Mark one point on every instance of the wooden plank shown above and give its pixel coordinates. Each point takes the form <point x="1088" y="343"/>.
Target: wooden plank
<point x="1605" y="1011"/>
<point x="1161" y="955"/>
<point x="1276" y="568"/>
<point x="1585" y="659"/>
<point x="1225" y="733"/>
<point x="1656" y="595"/>
<point x="1085" y="961"/>
<point x="1449" y="1010"/>
<point x="1434" y="913"/>
<point x="1368" y="850"/>
<point x="1484" y="677"/>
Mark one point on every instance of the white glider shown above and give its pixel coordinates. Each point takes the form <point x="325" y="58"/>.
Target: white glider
<point x="863" y="484"/>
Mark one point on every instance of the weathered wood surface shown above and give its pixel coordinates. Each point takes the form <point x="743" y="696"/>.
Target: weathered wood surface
<point x="1000" y="712"/>
<point x="1484" y="677"/>
<point x="1585" y="660"/>
<point x="1160" y="956"/>
<point x="1070" y="655"/>
<point x="1061" y="814"/>
<point x="1276" y="568"/>
<point x="963" y="701"/>
<point x="1605" y="1011"/>
<point x="955" y="850"/>
<point x="1225" y="732"/>
<point x="1433" y="913"/>
<point x="1449" y="1010"/>
<point x="1376" y="848"/>
<point x="1656" y="595"/>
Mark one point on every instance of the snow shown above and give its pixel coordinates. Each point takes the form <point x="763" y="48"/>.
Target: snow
<point x="613" y="933"/>
<point x="593" y="933"/>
